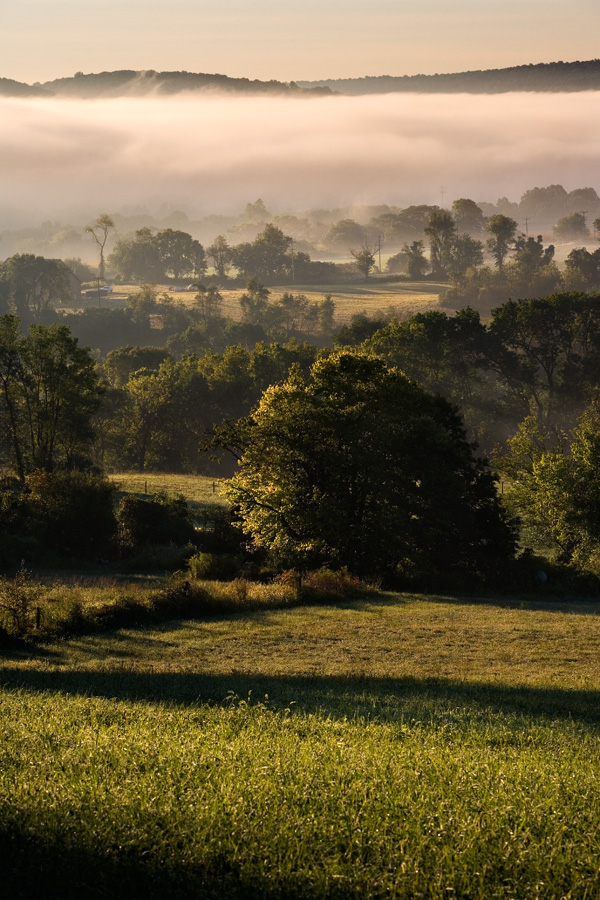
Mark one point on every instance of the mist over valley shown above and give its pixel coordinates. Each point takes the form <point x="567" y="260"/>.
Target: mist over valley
<point x="67" y="159"/>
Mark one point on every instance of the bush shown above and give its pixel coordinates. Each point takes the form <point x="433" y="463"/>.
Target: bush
<point x="179" y="600"/>
<point x="326" y="583"/>
<point x="124" y="612"/>
<point x="19" y="599"/>
<point x="160" y="521"/>
<point x="70" y="512"/>
<point x="216" y="532"/>
<point x="213" y="566"/>
<point x="157" y="558"/>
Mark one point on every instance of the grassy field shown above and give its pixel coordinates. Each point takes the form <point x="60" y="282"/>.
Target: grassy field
<point x="198" y="489"/>
<point x="387" y="746"/>
<point x="404" y="298"/>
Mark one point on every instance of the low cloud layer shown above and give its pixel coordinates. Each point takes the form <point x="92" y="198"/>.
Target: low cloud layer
<point x="67" y="159"/>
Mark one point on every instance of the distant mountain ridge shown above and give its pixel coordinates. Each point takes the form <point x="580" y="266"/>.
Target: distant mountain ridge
<point x="10" y="88"/>
<point x="556" y="76"/>
<point x="128" y="82"/>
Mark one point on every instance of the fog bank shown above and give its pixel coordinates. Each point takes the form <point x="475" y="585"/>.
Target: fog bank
<point x="68" y="159"/>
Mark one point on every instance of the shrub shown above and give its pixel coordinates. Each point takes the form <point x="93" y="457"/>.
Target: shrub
<point x="213" y="566"/>
<point x="239" y="586"/>
<point x="157" y="522"/>
<point x="15" y="544"/>
<point x="325" y="582"/>
<point x="19" y="599"/>
<point x="126" y="610"/>
<point x="70" y="512"/>
<point x="216" y="532"/>
<point x="160" y="558"/>
<point x="179" y="600"/>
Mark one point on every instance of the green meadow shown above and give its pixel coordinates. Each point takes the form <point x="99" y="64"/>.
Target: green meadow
<point x="387" y="745"/>
<point x="198" y="490"/>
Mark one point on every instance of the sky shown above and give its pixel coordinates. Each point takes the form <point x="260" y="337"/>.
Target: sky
<point x="291" y="39"/>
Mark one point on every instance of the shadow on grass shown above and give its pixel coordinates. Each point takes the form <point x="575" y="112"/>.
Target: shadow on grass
<point x="535" y="602"/>
<point x="40" y="868"/>
<point x="427" y="700"/>
<point x="14" y="648"/>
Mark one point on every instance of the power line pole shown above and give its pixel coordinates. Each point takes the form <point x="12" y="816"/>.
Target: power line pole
<point x="443" y="193"/>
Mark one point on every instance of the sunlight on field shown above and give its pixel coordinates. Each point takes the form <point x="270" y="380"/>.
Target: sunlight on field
<point x="195" y="488"/>
<point x="403" y="299"/>
<point x="386" y="636"/>
<point x="386" y="746"/>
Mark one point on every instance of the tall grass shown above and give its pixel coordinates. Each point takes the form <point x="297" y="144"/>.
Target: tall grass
<point x="390" y="746"/>
<point x="82" y="607"/>
<point x="100" y="797"/>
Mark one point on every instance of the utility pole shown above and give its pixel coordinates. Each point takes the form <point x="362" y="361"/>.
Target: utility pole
<point x="293" y="273"/>
<point x="379" y="249"/>
<point x="443" y="193"/>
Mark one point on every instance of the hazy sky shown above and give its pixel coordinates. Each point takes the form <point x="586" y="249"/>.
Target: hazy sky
<point x="291" y="39"/>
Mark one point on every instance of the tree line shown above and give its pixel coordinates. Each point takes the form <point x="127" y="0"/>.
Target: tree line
<point x="525" y="384"/>
<point x="152" y="403"/>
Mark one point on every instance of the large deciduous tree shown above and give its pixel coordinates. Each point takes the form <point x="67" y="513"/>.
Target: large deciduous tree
<point x="469" y="217"/>
<point x="220" y="254"/>
<point x="180" y="254"/>
<point x="49" y="392"/>
<point x="267" y="258"/>
<point x="555" y="488"/>
<point x="364" y="260"/>
<point x="550" y="352"/>
<point x="441" y="232"/>
<point x="30" y="285"/>
<point x="502" y="230"/>
<point x="154" y="257"/>
<point x="137" y="259"/>
<point x="572" y="227"/>
<point x="416" y="263"/>
<point x="361" y="468"/>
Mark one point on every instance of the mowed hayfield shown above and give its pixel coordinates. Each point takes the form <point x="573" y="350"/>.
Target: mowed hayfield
<point x="390" y="745"/>
<point x="402" y="299"/>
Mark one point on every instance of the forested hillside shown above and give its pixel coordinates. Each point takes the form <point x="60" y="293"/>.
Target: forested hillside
<point x="556" y="76"/>
<point x="128" y="82"/>
<point x="581" y="75"/>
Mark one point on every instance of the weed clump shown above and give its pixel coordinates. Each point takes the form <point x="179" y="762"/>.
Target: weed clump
<point x="19" y="601"/>
<point x="213" y="566"/>
<point x="179" y="600"/>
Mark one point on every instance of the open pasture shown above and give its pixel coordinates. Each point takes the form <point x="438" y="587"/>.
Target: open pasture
<point x="197" y="489"/>
<point x="389" y="746"/>
<point x="404" y="298"/>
